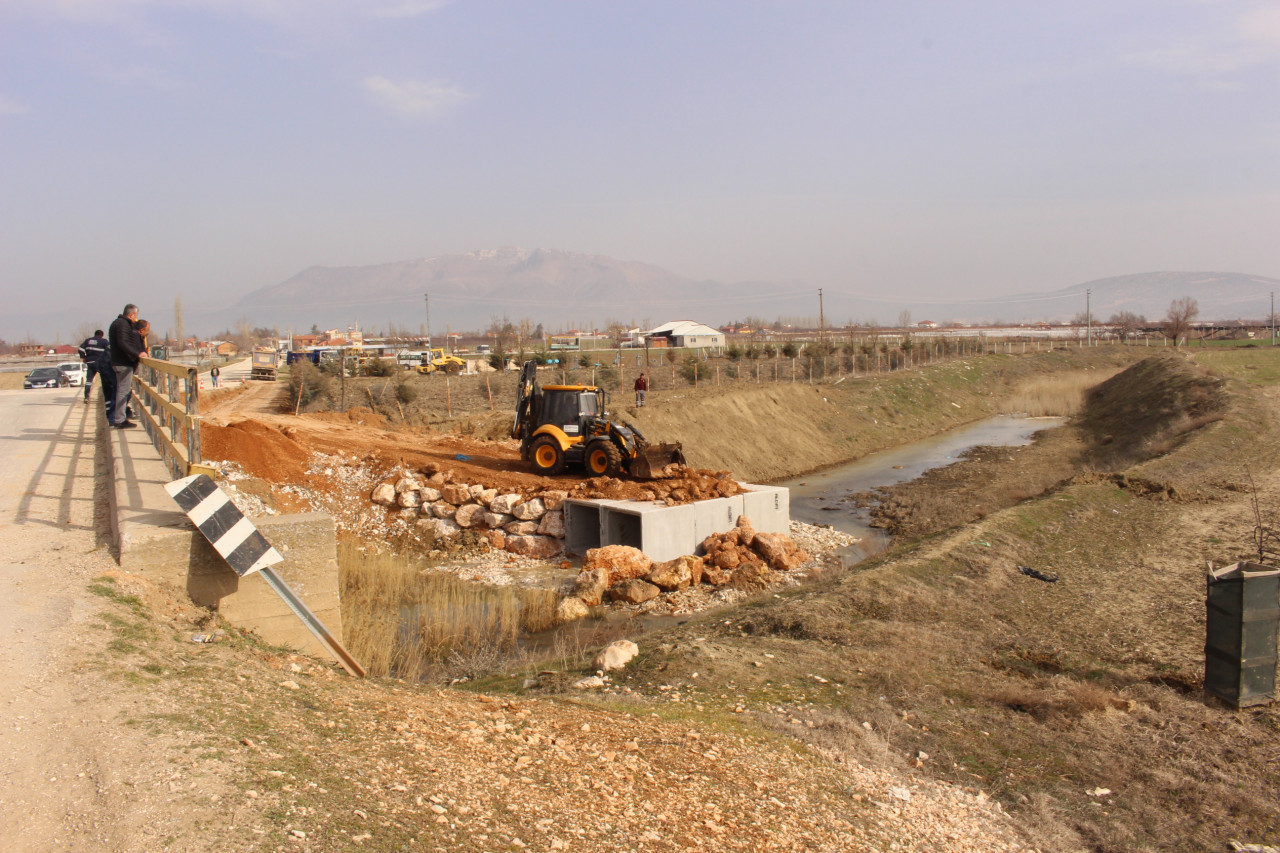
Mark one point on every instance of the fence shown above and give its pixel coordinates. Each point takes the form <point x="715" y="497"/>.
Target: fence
<point x="168" y="396"/>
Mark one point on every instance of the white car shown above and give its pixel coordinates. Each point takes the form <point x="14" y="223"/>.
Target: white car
<point x="75" y="372"/>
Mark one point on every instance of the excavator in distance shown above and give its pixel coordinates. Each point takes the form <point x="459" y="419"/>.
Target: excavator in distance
<point x="567" y="425"/>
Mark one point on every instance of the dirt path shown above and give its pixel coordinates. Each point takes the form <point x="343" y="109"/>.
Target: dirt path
<point x="250" y="399"/>
<point x="76" y="771"/>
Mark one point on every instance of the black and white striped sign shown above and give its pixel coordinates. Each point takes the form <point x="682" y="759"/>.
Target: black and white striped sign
<point x="231" y="534"/>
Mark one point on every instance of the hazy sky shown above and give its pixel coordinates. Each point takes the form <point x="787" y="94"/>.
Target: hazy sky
<point x="929" y="149"/>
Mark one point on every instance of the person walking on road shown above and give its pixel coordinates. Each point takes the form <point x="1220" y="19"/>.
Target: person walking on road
<point x="126" y="349"/>
<point x="95" y="352"/>
<point x="642" y="386"/>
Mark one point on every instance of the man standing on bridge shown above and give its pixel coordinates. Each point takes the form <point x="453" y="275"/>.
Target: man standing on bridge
<point x="126" y="349"/>
<point x="96" y="354"/>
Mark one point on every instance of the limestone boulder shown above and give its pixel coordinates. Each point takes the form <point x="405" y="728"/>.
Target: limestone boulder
<point x="476" y="491"/>
<point x="778" y="550"/>
<point x="552" y="523"/>
<point x="633" y="591"/>
<point x="622" y="561"/>
<point x="571" y="609"/>
<point x="384" y="494"/>
<point x="727" y="558"/>
<point x="538" y="547"/>
<point x="440" y="509"/>
<point x="674" y="574"/>
<point x="714" y="575"/>
<point x="497" y="539"/>
<point x="406" y="484"/>
<point x="469" y="515"/>
<point x="521" y="528"/>
<point x="429" y="495"/>
<point x="494" y="520"/>
<point x="616" y="655"/>
<point x="409" y="499"/>
<point x="505" y="503"/>
<point x="590" y="586"/>
<point x="455" y="494"/>
<point x="530" y="510"/>
<point x="752" y="577"/>
<point x="553" y="498"/>
<point x="486" y="496"/>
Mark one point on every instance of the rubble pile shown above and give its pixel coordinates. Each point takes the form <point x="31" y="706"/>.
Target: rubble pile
<point x="740" y="559"/>
<point x="530" y="526"/>
<point x="679" y="485"/>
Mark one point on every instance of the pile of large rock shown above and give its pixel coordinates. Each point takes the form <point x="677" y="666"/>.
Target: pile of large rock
<point x="740" y="558"/>
<point x="532" y="526"/>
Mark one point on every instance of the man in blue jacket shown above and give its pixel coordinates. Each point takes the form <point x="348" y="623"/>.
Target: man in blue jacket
<point x="126" y="349"/>
<point x="95" y="352"/>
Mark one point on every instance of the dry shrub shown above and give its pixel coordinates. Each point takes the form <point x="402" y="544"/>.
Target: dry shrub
<point x="1061" y="395"/>
<point x="1063" y="700"/>
<point x="405" y="621"/>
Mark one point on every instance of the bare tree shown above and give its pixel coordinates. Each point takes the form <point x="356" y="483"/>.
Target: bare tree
<point x="904" y="319"/>
<point x="1127" y="324"/>
<point x="1177" y="323"/>
<point x="179" y="323"/>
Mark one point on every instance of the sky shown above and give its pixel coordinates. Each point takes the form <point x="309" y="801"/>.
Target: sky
<point x="153" y="149"/>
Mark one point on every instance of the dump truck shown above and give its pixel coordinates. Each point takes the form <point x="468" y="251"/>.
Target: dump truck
<point x="562" y="426"/>
<point x="263" y="362"/>
<point x="438" y="359"/>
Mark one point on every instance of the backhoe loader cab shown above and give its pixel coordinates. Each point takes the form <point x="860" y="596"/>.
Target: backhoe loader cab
<point x="560" y="426"/>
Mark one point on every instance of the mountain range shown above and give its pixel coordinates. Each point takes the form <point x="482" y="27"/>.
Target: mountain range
<point x="562" y="290"/>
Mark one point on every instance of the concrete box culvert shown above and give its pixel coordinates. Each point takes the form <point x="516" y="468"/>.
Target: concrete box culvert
<point x="666" y="532"/>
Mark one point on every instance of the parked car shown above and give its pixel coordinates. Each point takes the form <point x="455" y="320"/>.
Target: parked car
<point x="46" y="377"/>
<point x="75" y="371"/>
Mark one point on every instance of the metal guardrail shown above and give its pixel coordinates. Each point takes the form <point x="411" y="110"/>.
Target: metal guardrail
<point x="169" y="398"/>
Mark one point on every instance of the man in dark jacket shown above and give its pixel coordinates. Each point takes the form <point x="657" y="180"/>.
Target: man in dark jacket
<point x="126" y="348"/>
<point x="95" y="352"/>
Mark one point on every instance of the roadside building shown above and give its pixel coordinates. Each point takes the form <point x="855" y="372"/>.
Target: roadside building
<point x="688" y="334"/>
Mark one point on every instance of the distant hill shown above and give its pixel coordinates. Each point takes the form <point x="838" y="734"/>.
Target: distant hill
<point x="1220" y="295"/>
<point x="563" y="289"/>
<point x="468" y="291"/>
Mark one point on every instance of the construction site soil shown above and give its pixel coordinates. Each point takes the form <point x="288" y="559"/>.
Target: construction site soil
<point x="1036" y="631"/>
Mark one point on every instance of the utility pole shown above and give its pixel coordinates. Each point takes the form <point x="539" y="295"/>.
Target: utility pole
<point x="1272" y="318"/>
<point x="426" y="298"/>
<point x="822" y="321"/>
<point x="1088" y="317"/>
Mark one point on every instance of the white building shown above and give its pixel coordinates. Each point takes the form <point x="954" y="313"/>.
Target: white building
<point x="686" y="333"/>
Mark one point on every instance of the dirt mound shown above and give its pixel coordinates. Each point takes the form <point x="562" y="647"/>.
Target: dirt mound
<point x="1146" y="410"/>
<point x="263" y="451"/>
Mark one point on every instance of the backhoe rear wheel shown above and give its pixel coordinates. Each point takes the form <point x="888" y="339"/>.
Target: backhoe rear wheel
<point x="547" y="456"/>
<point x="604" y="459"/>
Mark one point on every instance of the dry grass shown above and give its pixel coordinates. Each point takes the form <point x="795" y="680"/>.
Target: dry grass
<point x="11" y="381"/>
<point x="1061" y="395"/>
<point x="414" y="623"/>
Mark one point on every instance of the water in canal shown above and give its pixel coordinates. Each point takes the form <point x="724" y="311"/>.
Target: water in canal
<point x="819" y="498"/>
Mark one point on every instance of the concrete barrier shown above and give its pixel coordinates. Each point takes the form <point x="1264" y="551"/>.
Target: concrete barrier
<point x="156" y="540"/>
<point x="666" y="532"/>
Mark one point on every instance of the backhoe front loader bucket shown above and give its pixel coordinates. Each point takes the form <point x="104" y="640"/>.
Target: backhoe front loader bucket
<point x="652" y="461"/>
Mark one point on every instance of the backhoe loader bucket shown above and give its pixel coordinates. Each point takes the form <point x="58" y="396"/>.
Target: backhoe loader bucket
<point x="652" y="461"/>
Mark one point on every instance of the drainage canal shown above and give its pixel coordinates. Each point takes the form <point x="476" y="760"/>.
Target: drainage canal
<point x="819" y="498"/>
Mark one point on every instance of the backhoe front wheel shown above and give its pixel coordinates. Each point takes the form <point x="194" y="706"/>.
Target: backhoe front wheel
<point x="604" y="459"/>
<point x="547" y="456"/>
